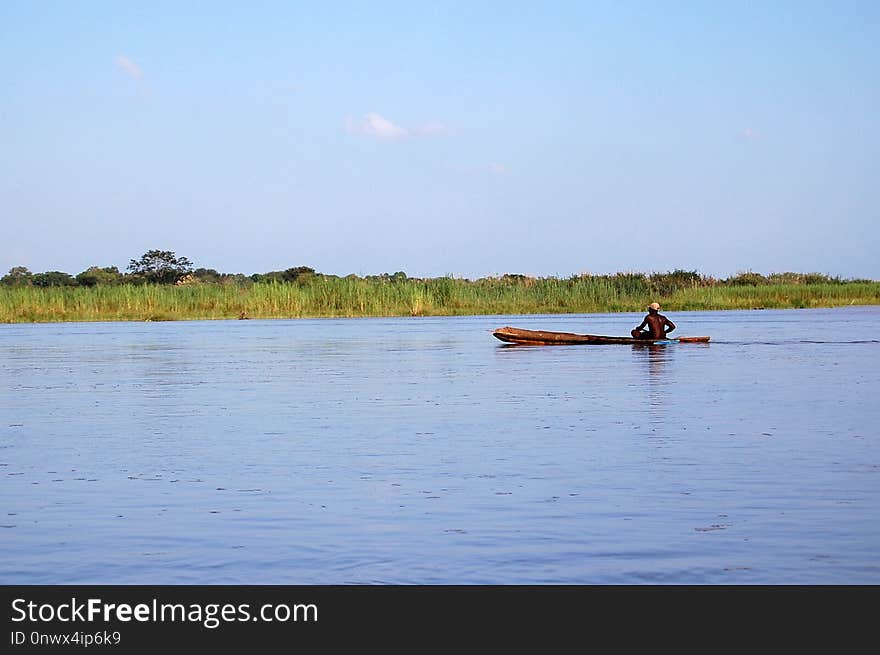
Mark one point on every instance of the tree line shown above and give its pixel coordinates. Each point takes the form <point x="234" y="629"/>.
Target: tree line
<point x="163" y="267"/>
<point x="166" y="268"/>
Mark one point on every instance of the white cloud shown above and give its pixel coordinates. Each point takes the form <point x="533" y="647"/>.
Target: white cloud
<point x="379" y="127"/>
<point x="374" y="125"/>
<point x="128" y="67"/>
<point x="496" y="168"/>
<point x="747" y="133"/>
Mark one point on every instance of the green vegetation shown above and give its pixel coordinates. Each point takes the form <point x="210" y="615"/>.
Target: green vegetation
<point x="160" y="267"/>
<point x="104" y="294"/>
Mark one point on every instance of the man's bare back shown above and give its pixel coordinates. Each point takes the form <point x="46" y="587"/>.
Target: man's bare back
<point x="658" y="325"/>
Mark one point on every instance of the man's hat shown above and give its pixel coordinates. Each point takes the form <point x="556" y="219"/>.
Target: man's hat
<point x="655" y="306"/>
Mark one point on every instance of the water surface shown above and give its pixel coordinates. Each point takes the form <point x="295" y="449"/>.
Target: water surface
<point x="423" y="450"/>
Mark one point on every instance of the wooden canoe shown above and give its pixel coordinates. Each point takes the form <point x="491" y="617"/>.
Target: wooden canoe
<point x="543" y="338"/>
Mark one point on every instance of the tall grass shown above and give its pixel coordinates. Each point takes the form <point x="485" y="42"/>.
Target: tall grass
<point x="354" y="296"/>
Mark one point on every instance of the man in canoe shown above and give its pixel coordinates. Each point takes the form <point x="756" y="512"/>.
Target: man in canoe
<point x="658" y="325"/>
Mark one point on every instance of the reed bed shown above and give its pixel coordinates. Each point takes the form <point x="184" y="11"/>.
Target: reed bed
<point x="352" y="297"/>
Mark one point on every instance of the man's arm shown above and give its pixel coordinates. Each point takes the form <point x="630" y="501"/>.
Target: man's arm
<point x="642" y="324"/>
<point x="670" y="326"/>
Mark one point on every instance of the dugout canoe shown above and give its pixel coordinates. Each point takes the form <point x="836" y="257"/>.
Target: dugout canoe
<point x="544" y="338"/>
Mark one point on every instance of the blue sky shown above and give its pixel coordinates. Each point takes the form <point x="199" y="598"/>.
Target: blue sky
<point x="462" y="138"/>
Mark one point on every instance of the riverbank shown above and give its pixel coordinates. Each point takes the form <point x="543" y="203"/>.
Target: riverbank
<point x="358" y="297"/>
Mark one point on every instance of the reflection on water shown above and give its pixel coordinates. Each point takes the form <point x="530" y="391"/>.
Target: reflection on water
<point x="654" y="356"/>
<point x="654" y="359"/>
<point x="424" y="450"/>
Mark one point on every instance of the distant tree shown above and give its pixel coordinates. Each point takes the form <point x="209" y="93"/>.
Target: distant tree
<point x="54" y="279"/>
<point x="298" y="272"/>
<point x="208" y="275"/>
<point x="161" y="267"/>
<point x="746" y="279"/>
<point x="94" y="276"/>
<point x="18" y="276"/>
<point x="271" y="276"/>
<point x="239" y="279"/>
<point x="518" y="278"/>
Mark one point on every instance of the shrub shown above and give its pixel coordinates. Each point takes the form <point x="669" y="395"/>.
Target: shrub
<point x="18" y="276"/>
<point x="54" y="279"/>
<point x="94" y="276"/>
<point x="747" y="279"/>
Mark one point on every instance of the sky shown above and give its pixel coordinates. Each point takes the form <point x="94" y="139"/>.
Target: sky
<point x="469" y="139"/>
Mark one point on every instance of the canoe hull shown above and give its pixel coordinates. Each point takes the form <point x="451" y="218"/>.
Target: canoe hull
<point x="544" y="338"/>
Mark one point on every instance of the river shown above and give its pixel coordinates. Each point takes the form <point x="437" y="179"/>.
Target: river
<point x="425" y="451"/>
